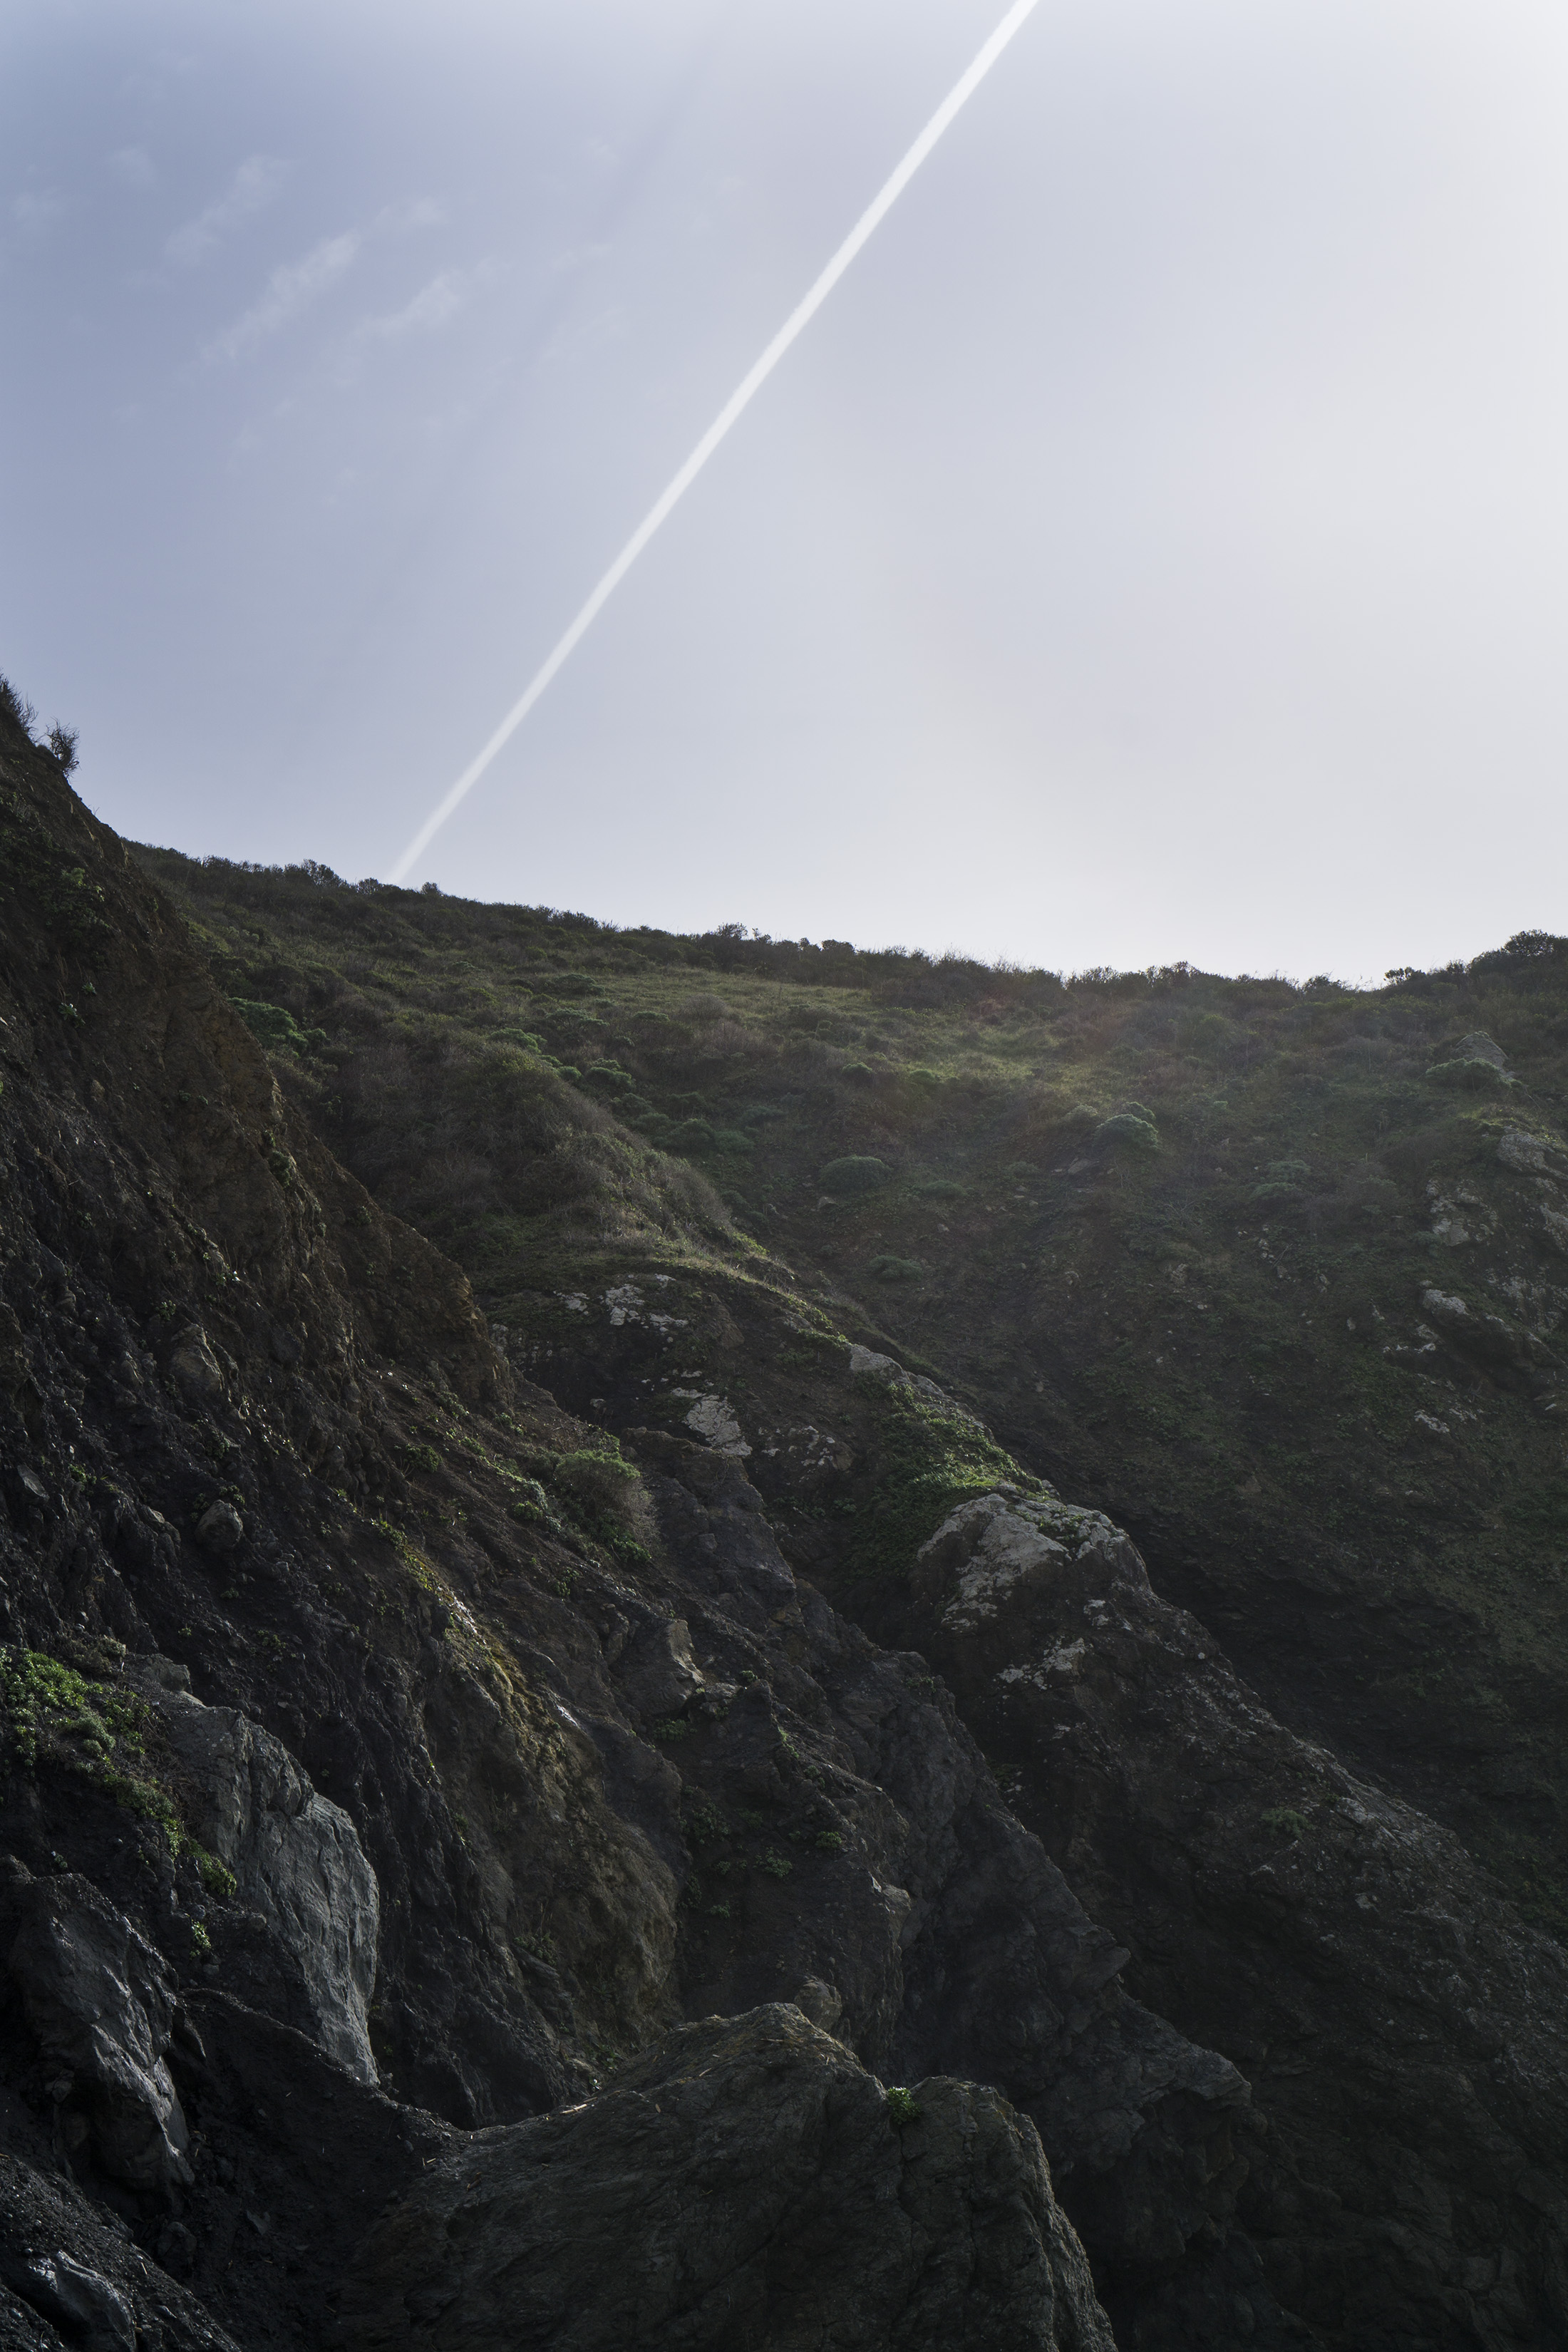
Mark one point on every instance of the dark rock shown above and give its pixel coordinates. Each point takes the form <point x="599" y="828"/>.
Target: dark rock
<point x="80" y="2269"/>
<point x="660" y="1675"/>
<point x="1323" y="1930"/>
<point x="818" y="2003"/>
<point x="101" y="2001"/>
<point x="220" y="1529"/>
<point x="748" y="2181"/>
<point x="81" y="2303"/>
<point x="193" y="1364"/>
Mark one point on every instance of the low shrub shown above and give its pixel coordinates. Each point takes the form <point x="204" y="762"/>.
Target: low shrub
<point x="858" y="1174"/>
<point x="1471" y="1075"/>
<point x="1125" y="1131"/>
<point x="895" y="1269"/>
<point x="274" y="1027"/>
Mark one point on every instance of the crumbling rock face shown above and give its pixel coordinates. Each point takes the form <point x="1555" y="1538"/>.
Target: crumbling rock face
<point x="1406" y="2034"/>
<point x="843" y="1826"/>
<point x="747" y="2182"/>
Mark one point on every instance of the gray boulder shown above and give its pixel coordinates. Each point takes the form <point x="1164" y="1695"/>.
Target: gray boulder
<point x="102" y="2003"/>
<point x="747" y="2182"/>
<point x="196" y="1368"/>
<point x="296" y="1856"/>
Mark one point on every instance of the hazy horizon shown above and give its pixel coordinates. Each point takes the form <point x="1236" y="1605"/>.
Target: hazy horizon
<point x="1153" y="552"/>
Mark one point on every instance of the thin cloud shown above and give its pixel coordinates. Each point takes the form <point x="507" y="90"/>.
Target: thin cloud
<point x="430" y="309"/>
<point x="293" y="286"/>
<point x="253" y="187"/>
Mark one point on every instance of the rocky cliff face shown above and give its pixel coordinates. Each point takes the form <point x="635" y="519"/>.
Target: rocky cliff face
<point x="332" y="1827"/>
<point x="394" y="1754"/>
<point x="749" y="2182"/>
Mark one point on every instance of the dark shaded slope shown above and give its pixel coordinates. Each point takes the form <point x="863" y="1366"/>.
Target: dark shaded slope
<point x="1149" y="1311"/>
<point x="1214" y="1321"/>
<point x="387" y="1753"/>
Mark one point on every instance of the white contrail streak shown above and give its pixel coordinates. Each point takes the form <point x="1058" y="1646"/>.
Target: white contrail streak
<point x="751" y="383"/>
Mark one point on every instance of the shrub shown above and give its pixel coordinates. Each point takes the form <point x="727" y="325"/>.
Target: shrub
<point x="1286" y="1822"/>
<point x="851" y="1177"/>
<point x="530" y="1504"/>
<point x="902" y="2106"/>
<point x="1079" y="1121"/>
<point x="215" y="1875"/>
<point x="895" y="1269"/>
<point x="275" y="1027"/>
<point x="1471" y="1075"/>
<point x="569" y="983"/>
<point x="1126" y="1132"/>
<point x="62" y="742"/>
<point x="1213" y="1035"/>
<point x="17" y="707"/>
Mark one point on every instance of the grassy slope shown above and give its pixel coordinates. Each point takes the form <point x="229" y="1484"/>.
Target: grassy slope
<point x="1223" y="1342"/>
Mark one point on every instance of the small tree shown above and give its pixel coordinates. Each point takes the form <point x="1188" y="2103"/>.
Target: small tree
<point x="62" y="742"/>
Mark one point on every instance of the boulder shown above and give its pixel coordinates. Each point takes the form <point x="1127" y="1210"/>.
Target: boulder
<point x="102" y="2002"/>
<point x="195" y="1369"/>
<point x="220" y="1529"/>
<point x="661" y="1676"/>
<point x="83" y="2305"/>
<point x="749" y="2182"/>
<point x="296" y="1856"/>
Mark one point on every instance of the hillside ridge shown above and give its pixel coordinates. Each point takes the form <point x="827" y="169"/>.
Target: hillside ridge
<point x="534" y="1519"/>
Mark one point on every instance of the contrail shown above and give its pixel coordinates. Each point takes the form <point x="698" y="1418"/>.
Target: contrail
<point x="751" y="383"/>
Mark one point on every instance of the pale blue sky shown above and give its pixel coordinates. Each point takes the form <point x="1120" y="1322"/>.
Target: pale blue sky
<point x="1155" y="548"/>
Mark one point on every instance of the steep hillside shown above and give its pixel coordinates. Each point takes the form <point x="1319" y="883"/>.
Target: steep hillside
<point x="388" y="1753"/>
<point x="1273" y="1277"/>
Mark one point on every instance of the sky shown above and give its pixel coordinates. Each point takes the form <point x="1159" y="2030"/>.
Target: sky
<point x="1154" y="549"/>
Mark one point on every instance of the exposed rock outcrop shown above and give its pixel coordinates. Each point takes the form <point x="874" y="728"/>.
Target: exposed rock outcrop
<point x="101" y="2002"/>
<point x="295" y="1856"/>
<point x="748" y="2181"/>
<point x="414" y="1758"/>
<point x="1406" y="2033"/>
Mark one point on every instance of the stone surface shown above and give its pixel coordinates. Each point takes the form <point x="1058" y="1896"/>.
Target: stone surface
<point x="297" y="1858"/>
<point x="193" y="1364"/>
<point x="1314" y="1927"/>
<point x="220" y="1529"/>
<point x="104" y="2295"/>
<point x="100" y="2000"/>
<point x="748" y="2182"/>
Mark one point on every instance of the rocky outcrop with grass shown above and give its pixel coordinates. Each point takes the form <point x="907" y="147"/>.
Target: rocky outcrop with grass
<point x="454" y="1726"/>
<point x="390" y="1755"/>
<point x="746" y="2180"/>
